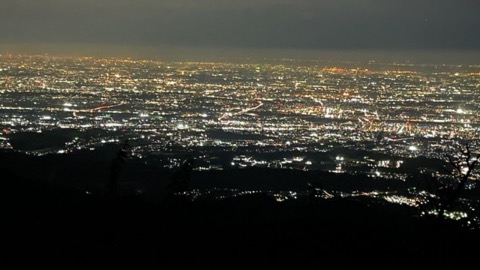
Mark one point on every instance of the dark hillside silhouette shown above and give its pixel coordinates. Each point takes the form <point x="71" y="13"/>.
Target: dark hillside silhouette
<point x="48" y="224"/>
<point x="65" y="228"/>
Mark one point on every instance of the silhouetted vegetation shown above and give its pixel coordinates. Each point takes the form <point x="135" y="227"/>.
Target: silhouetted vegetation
<point x="181" y="180"/>
<point x="464" y="162"/>
<point x="448" y="190"/>
<point x="314" y="192"/>
<point x="116" y="166"/>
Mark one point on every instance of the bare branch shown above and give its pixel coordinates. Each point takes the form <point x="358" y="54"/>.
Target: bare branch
<point x="455" y="164"/>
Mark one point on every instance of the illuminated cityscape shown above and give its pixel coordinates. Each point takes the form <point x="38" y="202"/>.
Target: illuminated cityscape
<point x="253" y="110"/>
<point x="374" y="120"/>
<point x="225" y="134"/>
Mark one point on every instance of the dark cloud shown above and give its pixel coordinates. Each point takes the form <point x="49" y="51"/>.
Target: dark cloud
<point x="283" y="24"/>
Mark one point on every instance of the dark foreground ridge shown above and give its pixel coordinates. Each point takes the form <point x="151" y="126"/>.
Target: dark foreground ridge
<point x="52" y="226"/>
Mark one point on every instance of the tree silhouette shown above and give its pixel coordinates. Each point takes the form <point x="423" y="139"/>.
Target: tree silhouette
<point x="464" y="162"/>
<point x="180" y="180"/>
<point x="116" y="166"/>
<point x="448" y="190"/>
<point x="314" y="192"/>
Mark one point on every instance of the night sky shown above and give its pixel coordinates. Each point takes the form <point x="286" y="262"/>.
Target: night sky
<point x="246" y="24"/>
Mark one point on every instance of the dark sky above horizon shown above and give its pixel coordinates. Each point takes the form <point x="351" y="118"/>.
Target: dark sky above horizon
<point x="271" y="24"/>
